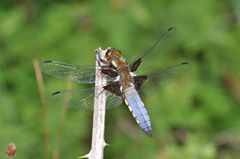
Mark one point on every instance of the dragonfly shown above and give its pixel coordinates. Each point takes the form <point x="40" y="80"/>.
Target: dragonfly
<point x="123" y="84"/>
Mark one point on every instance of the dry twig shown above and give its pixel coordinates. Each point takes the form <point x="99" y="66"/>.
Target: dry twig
<point x="98" y="142"/>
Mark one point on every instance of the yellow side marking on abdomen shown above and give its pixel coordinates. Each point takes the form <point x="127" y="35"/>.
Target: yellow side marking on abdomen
<point x="130" y="109"/>
<point x="125" y="100"/>
<point x="133" y="115"/>
<point x="138" y="122"/>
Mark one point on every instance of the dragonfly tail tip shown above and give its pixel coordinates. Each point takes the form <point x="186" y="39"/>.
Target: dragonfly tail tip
<point x="149" y="133"/>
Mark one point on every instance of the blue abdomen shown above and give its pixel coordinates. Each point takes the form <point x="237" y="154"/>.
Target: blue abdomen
<point x="138" y="110"/>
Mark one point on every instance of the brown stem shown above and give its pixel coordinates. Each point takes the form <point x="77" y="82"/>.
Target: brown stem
<point x="43" y="104"/>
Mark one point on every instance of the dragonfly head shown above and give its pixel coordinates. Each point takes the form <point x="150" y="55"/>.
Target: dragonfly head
<point x="114" y="56"/>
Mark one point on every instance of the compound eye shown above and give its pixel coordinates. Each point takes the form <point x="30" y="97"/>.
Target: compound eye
<point x="108" y="56"/>
<point x="109" y="51"/>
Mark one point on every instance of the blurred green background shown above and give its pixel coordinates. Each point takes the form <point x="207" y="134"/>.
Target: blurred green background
<point x="197" y="117"/>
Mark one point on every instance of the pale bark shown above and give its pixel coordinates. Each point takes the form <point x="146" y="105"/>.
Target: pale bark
<point x="98" y="142"/>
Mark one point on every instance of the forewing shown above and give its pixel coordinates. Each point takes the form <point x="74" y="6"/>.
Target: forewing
<point x="78" y="73"/>
<point x="84" y="98"/>
<point x="152" y="49"/>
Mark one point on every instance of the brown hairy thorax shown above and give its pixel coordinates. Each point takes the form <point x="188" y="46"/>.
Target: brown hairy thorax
<point x="115" y="58"/>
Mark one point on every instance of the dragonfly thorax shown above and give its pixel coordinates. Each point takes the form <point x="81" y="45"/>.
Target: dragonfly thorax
<point x="115" y="58"/>
<point x="125" y="77"/>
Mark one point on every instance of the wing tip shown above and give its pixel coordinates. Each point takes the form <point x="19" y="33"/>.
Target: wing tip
<point x="171" y="28"/>
<point x="185" y="63"/>
<point x="47" y="61"/>
<point x="56" y="93"/>
<point x="189" y="65"/>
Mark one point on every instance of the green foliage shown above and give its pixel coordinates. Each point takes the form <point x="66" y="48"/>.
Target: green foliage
<point x="196" y="118"/>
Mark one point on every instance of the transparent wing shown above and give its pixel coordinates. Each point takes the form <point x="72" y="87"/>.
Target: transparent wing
<point x="78" y="73"/>
<point x="163" y="78"/>
<point x="154" y="48"/>
<point x="84" y="98"/>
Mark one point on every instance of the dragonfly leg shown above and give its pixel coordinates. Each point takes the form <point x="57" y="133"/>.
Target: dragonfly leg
<point x="102" y="61"/>
<point x="106" y="67"/>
